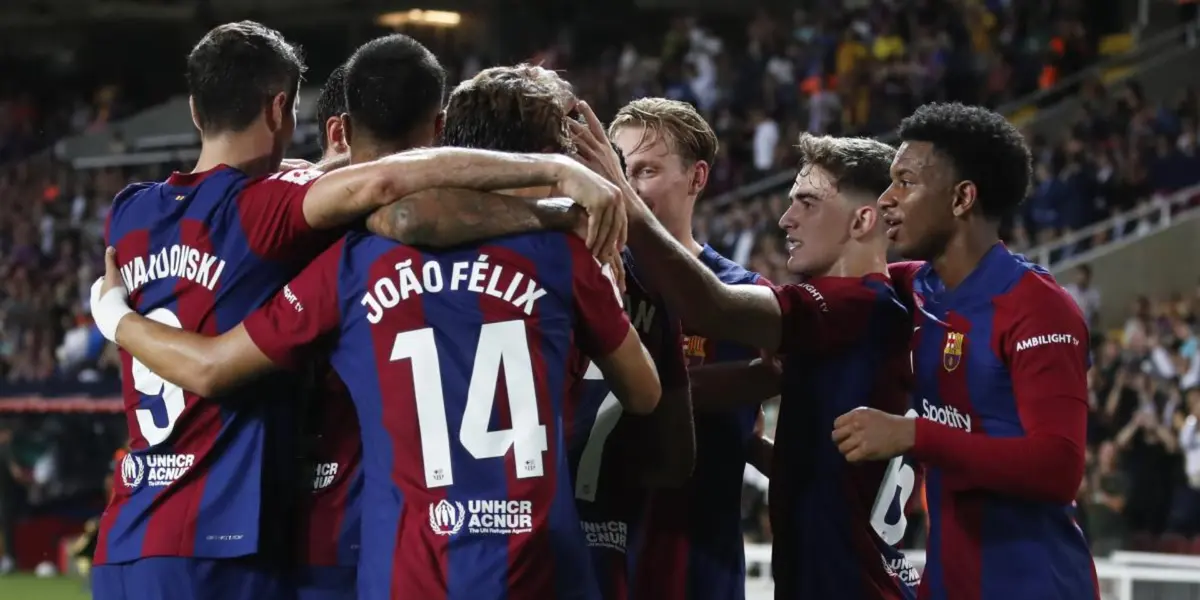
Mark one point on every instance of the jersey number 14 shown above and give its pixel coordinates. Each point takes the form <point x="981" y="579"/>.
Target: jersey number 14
<point x="502" y="345"/>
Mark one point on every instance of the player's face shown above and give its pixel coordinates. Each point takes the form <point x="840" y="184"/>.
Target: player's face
<point x="817" y="222"/>
<point x="658" y="174"/>
<point x="918" y="208"/>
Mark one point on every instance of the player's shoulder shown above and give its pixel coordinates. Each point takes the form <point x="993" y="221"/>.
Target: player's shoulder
<point x="727" y="270"/>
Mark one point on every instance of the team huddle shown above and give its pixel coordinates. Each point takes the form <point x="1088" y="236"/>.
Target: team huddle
<point x="476" y="353"/>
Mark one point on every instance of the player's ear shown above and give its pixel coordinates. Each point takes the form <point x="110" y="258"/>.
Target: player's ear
<point x="277" y="111"/>
<point x="335" y="135"/>
<point x="700" y="171"/>
<point x="195" y="118"/>
<point x="439" y="124"/>
<point x="864" y="220"/>
<point x="347" y="129"/>
<point x="965" y="197"/>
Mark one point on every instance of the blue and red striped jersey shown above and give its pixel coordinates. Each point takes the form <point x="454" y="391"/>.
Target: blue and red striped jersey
<point x="697" y="529"/>
<point x="333" y="510"/>
<point x="606" y="446"/>
<point x="845" y="346"/>
<point x="1000" y="367"/>
<point x="206" y="477"/>
<point x="460" y="367"/>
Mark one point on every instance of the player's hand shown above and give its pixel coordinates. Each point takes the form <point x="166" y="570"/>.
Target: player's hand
<point x="601" y="199"/>
<point x="866" y="434"/>
<point x="291" y="164"/>
<point x="616" y="267"/>
<point x="112" y="276"/>
<point x="109" y="298"/>
<point x="593" y="146"/>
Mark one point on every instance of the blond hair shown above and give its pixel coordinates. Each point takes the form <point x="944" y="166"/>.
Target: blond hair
<point x="687" y="133"/>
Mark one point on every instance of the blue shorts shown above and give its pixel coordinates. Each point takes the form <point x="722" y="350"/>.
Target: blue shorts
<point x="182" y="578"/>
<point x="327" y="583"/>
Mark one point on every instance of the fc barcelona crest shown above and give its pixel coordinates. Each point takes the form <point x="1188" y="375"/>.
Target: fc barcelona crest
<point x="952" y="354"/>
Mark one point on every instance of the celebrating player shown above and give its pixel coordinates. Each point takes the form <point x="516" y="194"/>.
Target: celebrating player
<point x="615" y="458"/>
<point x="695" y="530"/>
<point x="844" y="334"/>
<point x="205" y="479"/>
<point x="1000" y="356"/>
<point x="491" y="531"/>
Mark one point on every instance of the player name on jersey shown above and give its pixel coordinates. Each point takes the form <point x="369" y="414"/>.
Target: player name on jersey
<point x="477" y="276"/>
<point x="176" y="260"/>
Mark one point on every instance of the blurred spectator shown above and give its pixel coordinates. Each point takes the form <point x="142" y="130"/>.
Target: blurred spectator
<point x="1108" y="488"/>
<point x="1086" y="296"/>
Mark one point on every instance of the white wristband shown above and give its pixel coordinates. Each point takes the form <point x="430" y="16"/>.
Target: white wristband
<point x="109" y="309"/>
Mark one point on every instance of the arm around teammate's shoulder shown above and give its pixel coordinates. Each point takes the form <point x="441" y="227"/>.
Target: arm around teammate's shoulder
<point x="827" y="314"/>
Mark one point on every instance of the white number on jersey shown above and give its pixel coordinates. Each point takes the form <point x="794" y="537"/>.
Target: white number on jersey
<point x="898" y="483"/>
<point x="297" y="176"/>
<point x="587" y="476"/>
<point x="150" y="384"/>
<point x="501" y="345"/>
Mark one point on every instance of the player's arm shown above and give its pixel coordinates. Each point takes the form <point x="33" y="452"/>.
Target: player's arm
<point x="729" y="385"/>
<point x="1044" y="344"/>
<point x="275" y="335"/>
<point x="746" y="314"/>
<point x="670" y="431"/>
<point x="604" y="334"/>
<point x="446" y="217"/>
<point x="357" y="190"/>
<point x="762" y="447"/>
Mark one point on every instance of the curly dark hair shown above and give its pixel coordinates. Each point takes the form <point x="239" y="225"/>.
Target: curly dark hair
<point x="981" y="146"/>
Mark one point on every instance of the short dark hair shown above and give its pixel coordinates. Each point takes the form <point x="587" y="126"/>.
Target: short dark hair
<point x="982" y="146"/>
<point x="393" y="84"/>
<point x="237" y="67"/>
<point x="509" y="109"/>
<point x="858" y="164"/>
<point x="331" y="102"/>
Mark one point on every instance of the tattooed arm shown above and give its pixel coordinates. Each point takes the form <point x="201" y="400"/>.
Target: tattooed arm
<point x="449" y="216"/>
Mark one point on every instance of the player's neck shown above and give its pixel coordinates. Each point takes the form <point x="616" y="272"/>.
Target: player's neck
<point x="682" y="232"/>
<point x="367" y="150"/>
<point x="858" y="262"/>
<point x="964" y="251"/>
<point x="238" y="150"/>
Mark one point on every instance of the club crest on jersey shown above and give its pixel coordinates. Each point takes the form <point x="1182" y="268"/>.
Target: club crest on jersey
<point x="694" y="346"/>
<point x="446" y="518"/>
<point x="952" y="354"/>
<point x="132" y="470"/>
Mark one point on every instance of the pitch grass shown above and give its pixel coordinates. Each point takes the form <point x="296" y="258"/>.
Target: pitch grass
<point x="25" y="586"/>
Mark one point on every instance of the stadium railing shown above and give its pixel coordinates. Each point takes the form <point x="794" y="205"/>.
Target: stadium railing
<point x="1123" y="576"/>
<point x="1032" y="112"/>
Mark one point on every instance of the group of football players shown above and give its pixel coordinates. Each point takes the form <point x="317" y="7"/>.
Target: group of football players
<point x="477" y="353"/>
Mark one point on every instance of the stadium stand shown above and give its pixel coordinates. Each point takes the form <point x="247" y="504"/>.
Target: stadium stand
<point x="760" y="81"/>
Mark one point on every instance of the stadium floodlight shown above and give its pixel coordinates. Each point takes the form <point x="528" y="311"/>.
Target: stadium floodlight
<point x="416" y="16"/>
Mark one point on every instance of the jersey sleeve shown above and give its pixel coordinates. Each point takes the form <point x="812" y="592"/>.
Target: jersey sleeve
<point x="271" y="210"/>
<point x="291" y="325"/>
<point x="827" y="314"/>
<point x="1041" y="337"/>
<point x="601" y="324"/>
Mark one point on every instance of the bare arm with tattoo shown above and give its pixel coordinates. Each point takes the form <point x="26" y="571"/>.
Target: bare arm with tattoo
<point x="446" y="217"/>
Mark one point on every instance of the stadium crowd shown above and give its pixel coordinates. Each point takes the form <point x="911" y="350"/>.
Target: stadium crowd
<point x="837" y="72"/>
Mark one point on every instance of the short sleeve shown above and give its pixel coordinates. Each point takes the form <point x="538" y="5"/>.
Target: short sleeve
<point x="271" y="210"/>
<point x="829" y="313"/>
<point x="601" y="324"/>
<point x="1043" y="340"/>
<point x="289" y="327"/>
